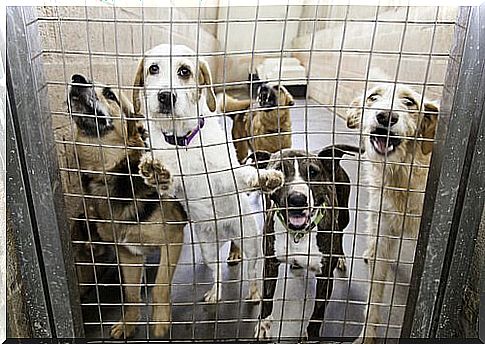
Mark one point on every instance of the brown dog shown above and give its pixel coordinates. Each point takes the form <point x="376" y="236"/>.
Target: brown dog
<point x="124" y="210"/>
<point x="267" y="128"/>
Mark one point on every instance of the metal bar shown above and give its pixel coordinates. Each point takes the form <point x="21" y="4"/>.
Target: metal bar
<point x="21" y="230"/>
<point x="33" y="130"/>
<point x="468" y="210"/>
<point x="442" y="201"/>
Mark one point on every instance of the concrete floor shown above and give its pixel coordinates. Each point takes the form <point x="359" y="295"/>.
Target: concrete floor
<point x="234" y="317"/>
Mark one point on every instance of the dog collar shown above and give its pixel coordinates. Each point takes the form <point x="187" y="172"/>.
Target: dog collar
<point x="300" y="233"/>
<point x="184" y="140"/>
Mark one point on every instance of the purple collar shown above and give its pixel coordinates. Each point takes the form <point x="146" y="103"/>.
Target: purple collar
<point x="184" y="140"/>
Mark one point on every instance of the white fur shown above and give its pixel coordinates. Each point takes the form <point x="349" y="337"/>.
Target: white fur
<point x="305" y="253"/>
<point x="206" y="174"/>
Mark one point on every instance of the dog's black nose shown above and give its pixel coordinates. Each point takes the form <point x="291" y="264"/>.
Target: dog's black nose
<point x="297" y="199"/>
<point x="167" y="99"/>
<point x="384" y="117"/>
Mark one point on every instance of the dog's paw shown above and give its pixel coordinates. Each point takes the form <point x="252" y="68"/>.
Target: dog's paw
<point x="121" y="330"/>
<point x="212" y="295"/>
<point x="160" y="330"/>
<point x="367" y="336"/>
<point x="366" y="340"/>
<point x="254" y="294"/>
<point x="234" y="256"/>
<point x="342" y="264"/>
<point x="263" y="328"/>
<point x="154" y="173"/>
<point x="353" y="122"/>
<point x="369" y="254"/>
<point x="268" y="180"/>
<point x="316" y="267"/>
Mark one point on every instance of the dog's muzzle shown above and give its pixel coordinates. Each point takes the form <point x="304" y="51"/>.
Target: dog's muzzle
<point x="186" y="139"/>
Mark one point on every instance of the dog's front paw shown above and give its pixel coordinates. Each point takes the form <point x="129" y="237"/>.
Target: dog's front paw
<point x="342" y="264"/>
<point x="160" y="330"/>
<point x="254" y="294"/>
<point x="369" y="254"/>
<point x="121" y="330"/>
<point x="234" y="256"/>
<point x="268" y="180"/>
<point x="366" y="340"/>
<point x="213" y="295"/>
<point x="154" y="173"/>
<point x="263" y="328"/>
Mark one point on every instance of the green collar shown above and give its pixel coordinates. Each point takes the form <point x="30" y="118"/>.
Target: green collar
<point x="300" y="233"/>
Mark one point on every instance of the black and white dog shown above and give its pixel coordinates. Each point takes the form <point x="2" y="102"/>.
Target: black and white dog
<point x="304" y="223"/>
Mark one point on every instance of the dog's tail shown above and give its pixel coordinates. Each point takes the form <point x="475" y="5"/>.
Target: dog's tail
<point x="229" y="105"/>
<point x="339" y="150"/>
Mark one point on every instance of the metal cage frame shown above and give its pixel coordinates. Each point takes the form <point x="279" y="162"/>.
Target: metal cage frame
<point x="453" y="206"/>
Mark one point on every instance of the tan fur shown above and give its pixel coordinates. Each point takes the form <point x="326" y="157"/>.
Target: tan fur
<point x="168" y="238"/>
<point x="268" y="131"/>
<point x="405" y="169"/>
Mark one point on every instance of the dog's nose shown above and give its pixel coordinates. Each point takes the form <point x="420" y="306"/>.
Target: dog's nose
<point x="384" y="117"/>
<point x="297" y="199"/>
<point x="167" y="99"/>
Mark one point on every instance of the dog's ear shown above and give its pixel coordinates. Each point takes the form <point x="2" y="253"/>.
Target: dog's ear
<point x="428" y="125"/>
<point x="137" y="86"/>
<point x="354" y="113"/>
<point x="288" y="97"/>
<point x="258" y="158"/>
<point x="205" y="78"/>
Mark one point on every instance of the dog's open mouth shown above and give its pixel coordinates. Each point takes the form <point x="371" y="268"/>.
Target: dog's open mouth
<point x="381" y="143"/>
<point x="298" y="219"/>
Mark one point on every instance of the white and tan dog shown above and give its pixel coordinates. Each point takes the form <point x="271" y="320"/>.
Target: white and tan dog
<point x="192" y="159"/>
<point x="398" y="126"/>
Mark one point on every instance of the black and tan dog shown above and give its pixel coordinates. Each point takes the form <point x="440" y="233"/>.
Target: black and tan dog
<point x="304" y="223"/>
<point x="267" y="127"/>
<point x="124" y="210"/>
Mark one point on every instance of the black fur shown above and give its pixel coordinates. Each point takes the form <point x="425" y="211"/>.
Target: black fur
<point x="329" y="235"/>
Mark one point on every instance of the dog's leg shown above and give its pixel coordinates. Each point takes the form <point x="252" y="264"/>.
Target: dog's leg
<point x="234" y="254"/>
<point x="253" y="250"/>
<point x="169" y="256"/>
<point x="263" y="327"/>
<point x="210" y="254"/>
<point x="380" y="271"/>
<point x="322" y="297"/>
<point x="132" y="268"/>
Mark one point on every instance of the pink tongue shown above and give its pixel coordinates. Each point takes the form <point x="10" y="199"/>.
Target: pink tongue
<point x="381" y="145"/>
<point x="297" y="221"/>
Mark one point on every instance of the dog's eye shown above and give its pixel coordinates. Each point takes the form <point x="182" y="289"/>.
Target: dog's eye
<point x="153" y="69"/>
<point x="109" y="94"/>
<point x="183" y="72"/>
<point x="313" y="171"/>
<point x="408" y="101"/>
<point x="372" y="97"/>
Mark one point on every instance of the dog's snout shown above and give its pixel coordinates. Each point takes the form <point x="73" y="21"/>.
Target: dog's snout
<point x="297" y="199"/>
<point x="167" y="99"/>
<point x="387" y="118"/>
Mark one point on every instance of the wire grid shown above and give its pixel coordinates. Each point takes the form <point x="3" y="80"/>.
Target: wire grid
<point x="233" y="316"/>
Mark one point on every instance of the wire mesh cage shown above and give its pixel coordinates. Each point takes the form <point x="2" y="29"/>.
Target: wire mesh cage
<point x="211" y="153"/>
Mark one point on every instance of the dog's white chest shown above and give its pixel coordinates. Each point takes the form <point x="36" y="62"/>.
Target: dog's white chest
<point x="303" y="253"/>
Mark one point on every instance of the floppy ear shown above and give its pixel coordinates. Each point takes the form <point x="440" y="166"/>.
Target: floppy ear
<point x="205" y="78"/>
<point x="259" y="158"/>
<point x="289" y="98"/>
<point x="354" y="113"/>
<point x="130" y="115"/>
<point x="428" y="125"/>
<point x="137" y="86"/>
